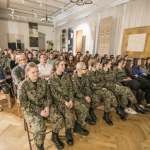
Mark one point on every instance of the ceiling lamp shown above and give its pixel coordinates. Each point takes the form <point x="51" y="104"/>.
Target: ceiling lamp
<point x="81" y="2"/>
<point x="46" y="19"/>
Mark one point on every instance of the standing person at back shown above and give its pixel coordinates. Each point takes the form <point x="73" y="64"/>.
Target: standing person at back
<point x="18" y="73"/>
<point x="44" y="68"/>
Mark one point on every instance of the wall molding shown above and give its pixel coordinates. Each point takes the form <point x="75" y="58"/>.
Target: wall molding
<point x="21" y="21"/>
<point x="94" y="11"/>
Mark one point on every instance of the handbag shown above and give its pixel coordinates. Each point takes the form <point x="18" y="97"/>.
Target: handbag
<point x="132" y="84"/>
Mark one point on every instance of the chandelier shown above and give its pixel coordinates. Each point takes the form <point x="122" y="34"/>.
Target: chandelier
<point x="46" y="19"/>
<point x="81" y="2"/>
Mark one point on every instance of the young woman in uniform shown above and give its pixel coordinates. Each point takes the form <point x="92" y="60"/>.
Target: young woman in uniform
<point x="113" y="85"/>
<point x="97" y="86"/>
<point x="35" y="100"/>
<point x="62" y="94"/>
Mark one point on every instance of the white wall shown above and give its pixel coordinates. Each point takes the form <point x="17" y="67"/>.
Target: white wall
<point x="23" y="29"/>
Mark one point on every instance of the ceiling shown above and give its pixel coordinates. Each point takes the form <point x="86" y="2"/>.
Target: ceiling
<point x="59" y="11"/>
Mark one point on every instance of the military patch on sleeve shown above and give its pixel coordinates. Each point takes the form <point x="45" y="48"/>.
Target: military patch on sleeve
<point x="86" y="75"/>
<point x="72" y="80"/>
<point x="73" y="87"/>
<point x="20" y="88"/>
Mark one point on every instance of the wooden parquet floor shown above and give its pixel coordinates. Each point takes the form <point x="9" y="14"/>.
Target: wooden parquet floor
<point x="133" y="134"/>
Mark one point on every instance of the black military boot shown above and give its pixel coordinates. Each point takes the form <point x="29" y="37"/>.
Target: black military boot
<point x="55" y="139"/>
<point x="79" y="129"/>
<point x="41" y="147"/>
<point x="106" y="118"/>
<point x="91" y="112"/>
<point x="69" y="139"/>
<point x="120" y="112"/>
<point x="140" y="110"/>
<point x="90" y="121"/>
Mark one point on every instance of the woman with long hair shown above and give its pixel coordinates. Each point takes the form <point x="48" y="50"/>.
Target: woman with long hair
<point x="82" y="91"/>
<point x="148" y="64"/>
<point x="113" y="85"/>
<point x="97" y="86"/>
<point x="117" y="58"/>
<point x="77" y="57"/>
<point x="80" y="59"/>
<point x="70" y="63"/>
<point x="35" y="100"/>
<point x="143" y="68"/>
<point x="62" y="93"/>
<point x="120" y="75"/>
<point x="96" y="56"/>
<point x="29" y="57"/>
<point x="145" y="85"/>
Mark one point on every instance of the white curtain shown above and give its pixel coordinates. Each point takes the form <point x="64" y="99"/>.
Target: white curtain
<point x="117" y="12"/>
<point x="137" y="14"/>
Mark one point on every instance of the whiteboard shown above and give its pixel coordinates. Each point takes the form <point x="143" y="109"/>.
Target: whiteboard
<point x="136" y="42"/>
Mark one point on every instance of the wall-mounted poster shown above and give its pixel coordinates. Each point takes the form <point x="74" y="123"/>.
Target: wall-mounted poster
<point x="70" y="39"/>
<point x="79" y="35"/>
<point x="33" y="34"/>
<point x="136" y="42"/>
<point x="104" y="36"/>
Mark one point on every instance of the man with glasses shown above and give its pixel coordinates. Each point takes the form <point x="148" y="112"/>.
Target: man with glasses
<point x="18" y="73"/>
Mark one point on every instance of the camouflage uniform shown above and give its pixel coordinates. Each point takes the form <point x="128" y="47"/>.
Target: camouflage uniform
<point x="7" y="66"/>
<point x="81" y="88"/>
<point x="96" y="78"/>
<point x="124" y="92"/>
<point x="120" y="75"/>
<point x="2" y="62"/>
<point x="33" y="99"/>
<point x="61" y="92"/>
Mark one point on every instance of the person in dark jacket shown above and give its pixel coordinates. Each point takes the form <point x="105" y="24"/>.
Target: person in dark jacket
<point x="144" y="86"/>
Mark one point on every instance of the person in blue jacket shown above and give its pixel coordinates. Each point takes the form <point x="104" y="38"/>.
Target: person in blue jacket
<point x="136" y="68"/>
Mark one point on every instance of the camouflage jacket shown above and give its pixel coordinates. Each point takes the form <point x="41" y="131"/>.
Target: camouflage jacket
<point x="6" y="57"/>
<point x="120" y="75"/>
<point x="7" y="66"/>
<point x="32" y="98"/>
<point x="110" y="79"/>
<point x="96" y="78"/>
<point x="61" y="88"/>
<point x="81" y="87"/>
<point x="2" y="62"/>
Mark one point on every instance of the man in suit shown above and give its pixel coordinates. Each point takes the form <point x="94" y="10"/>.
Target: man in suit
<point x="18" y="73"/>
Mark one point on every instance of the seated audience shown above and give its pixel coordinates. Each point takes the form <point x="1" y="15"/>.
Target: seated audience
<point x="148" y="64"/>
<point x="102" y="60"/>
<point x="70" y="63"/>
<point x="13" y="62"/>
<point x="96" y="85"/>
<point x="18" y="73"/>
<point x="143" y="66"/>
<point x="35" y="101"/>
<point x="96" y="56"/>
<point x="144" y="84"/>
<point x="50" y="60"/>
<point x="117" y="58"/>
<point x="112" y="59"/>
<point x="63" y="98"/>
<point x="4" y="86"/>
<point x="120" y="75"/>
<point x="106" y="56"/>
<point x="44" y="68"/>
<point x="126" y="57"/>
<point x="29" y="57"/>
<point x="116" y="87"/>
<point x="80" y="59"/>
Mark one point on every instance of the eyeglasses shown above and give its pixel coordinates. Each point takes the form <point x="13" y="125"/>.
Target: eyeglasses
<point x="23" y="59"/>
<point x="83" y="69"/>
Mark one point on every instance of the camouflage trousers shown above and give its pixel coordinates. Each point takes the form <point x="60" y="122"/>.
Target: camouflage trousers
<point x="125" y="94"/>
<point x="37" y="123"/>
<point x="109" y="97"/>
<point x="60" y="113"/>
<point x="94" y="103"/>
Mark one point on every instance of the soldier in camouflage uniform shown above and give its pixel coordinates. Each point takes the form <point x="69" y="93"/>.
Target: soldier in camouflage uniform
<point x="35" y="100"/>
<point x="1" y="61"/>
<point x="82" y="91"/>
<point x="62" y="94"/>
<point x="97" y="86"/>
<point x="120" y="75"/>
<point x="113" y="85"/>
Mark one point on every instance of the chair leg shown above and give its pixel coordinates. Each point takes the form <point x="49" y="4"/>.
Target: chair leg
<point x="17" y="107"/>
<point x="26" y="126"/>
